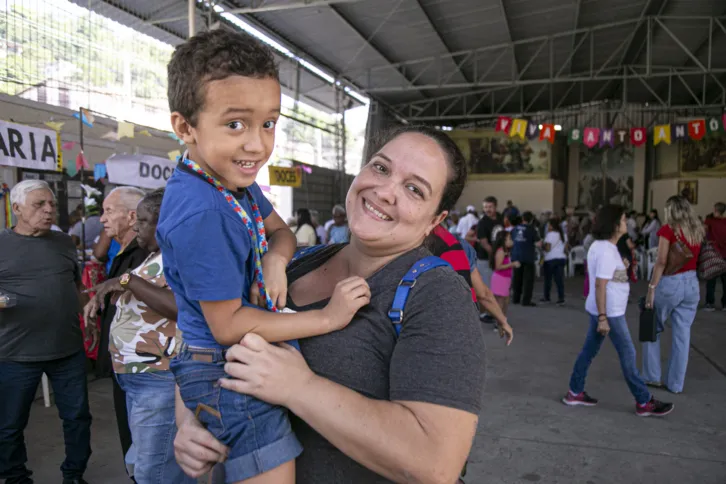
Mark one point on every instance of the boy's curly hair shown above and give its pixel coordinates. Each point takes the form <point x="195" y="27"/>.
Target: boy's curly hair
<point x="211" y="56"/>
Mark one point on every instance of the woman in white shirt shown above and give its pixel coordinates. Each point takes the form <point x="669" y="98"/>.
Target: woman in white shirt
<point x="554" y="261"/>
<point x="305" y="231"/>
<point x="651" y="228"/>
<point x="606" y="306"/>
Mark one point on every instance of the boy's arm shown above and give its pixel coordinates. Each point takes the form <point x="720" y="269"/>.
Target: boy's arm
<point x="282" y="244"/>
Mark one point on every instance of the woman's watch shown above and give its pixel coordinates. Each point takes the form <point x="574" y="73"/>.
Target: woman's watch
<point x="124" y="279"/>
<point x="602" y="316"/>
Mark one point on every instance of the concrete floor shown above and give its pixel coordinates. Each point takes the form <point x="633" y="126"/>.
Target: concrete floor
<point x="525" y="434"/>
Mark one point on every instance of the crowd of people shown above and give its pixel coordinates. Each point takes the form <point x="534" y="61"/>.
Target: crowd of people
<point x="235" y="340"/>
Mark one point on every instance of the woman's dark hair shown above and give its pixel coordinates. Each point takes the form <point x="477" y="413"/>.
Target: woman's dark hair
<point x="607" y="221"/>
<point x="152" y="202"/>
<point x="454" y="157"/>
<point x="499" y="240"/>
<point x="304" y="218"/>
<point x="556" y="222"/>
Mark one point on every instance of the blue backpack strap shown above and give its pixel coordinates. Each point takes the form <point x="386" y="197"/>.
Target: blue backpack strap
<point x="305" y="251"/>
<point x="404" y="288"/>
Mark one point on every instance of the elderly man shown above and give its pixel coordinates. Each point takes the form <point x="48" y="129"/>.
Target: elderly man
<point x="40" y="333"/>
<point x="119" y="218"/>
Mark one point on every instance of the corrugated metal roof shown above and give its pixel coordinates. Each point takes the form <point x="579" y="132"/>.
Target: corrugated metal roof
<point x="466" y="59"/>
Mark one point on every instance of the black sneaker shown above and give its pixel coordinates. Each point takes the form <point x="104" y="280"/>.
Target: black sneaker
<point x="709" y="307"/>
<point x="561" y="302"/>
<point x="581" y="399"/>
<point x="74" y="481"/>
<point x="654" y="408"/>
<point x="529" y="305"/>
<point x="544" y="301"/>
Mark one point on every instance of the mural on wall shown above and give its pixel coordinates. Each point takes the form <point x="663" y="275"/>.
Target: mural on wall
<point x="606" y="176"/>
<point x="706" y="157"/>
<point x="491" y="153"/>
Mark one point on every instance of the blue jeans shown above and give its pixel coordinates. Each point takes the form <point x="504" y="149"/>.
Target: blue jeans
<point x="620" y="336"/>
<point x="677" y="298"/>
<point x="259" y="435"/>
<point x="554" y="268"/>
<point x="150" y="406"/>
<point x="18" y="384"/>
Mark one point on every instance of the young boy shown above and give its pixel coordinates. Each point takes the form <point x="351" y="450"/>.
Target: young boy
<point x="224" y="95"/>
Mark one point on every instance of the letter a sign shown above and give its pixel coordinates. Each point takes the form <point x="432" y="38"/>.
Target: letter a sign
<point x="286" y="177"/>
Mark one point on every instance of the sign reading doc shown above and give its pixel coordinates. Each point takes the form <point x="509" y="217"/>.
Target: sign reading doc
<point x="286" y="177"/>
<point x="144" y="171"/>
<point x="28" y="147"/>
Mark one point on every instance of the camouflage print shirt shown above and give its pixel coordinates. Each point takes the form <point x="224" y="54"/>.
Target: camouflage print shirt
<point x="141" y="339"/>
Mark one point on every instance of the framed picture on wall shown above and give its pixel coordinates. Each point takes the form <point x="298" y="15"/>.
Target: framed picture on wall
<point x="689" y="189"/>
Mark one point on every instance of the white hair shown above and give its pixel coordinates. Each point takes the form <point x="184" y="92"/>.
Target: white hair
<point x="129" y="196"/>
<point x="20" y="191"/>
<point x="338" y="210"/>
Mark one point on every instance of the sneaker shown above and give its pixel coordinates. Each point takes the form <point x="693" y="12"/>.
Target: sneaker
<point x="529" y="305"/>
<point x="544" y="301"/>
<point x="654" y="408"/>
<point x="583" y="398"/>
<point x="655" y="384"/>
<point x="561" y="302"/>
<point x="709" y="307"/>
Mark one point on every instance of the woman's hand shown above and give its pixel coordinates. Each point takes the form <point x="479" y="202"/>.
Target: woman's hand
<point x="268" y="372"/>
<point x="650" y="297"/>
<point x="505" y="330"/>
<point x="101" y="290"/>
<point x="196" y="450"/>
<point x="603" y="327"/>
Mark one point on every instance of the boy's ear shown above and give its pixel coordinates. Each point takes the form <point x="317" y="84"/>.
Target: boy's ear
<point x="182" y="128"/>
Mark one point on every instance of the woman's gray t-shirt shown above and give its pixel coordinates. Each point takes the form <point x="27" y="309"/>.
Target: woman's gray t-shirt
<point x="438" y="357"/>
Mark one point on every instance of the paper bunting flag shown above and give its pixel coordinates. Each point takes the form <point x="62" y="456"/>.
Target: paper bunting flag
<point x="574" y="137"/>
<point x="697" y="129"/>
<point x="518" y="128"/>
<point x="144" y="132"/>
<point x="662" y="132"/>
<point x="532" y="131"/>
<point x="306" y="169"/>
<point x="111" y="136"/>
<point x="678" y="132"/>
<point x="87" y="119"/>
<point x="591" y="136"/>
<point x="503" y="124"/>
<point x="125" y="130"/>
<point x="173" y="155"/>
<point x="68" y="145"/>
<point x="71" y="169"/>
<point x="81" y="161"/>
<point x="620" y="136"/>
<point x="606" y="138"/>
<point x="547" y="133"/>
<point x="99" y="171"/>
<point x="713" y="125"/>
<point x="637" y="136"/>
<point x="173" y="136"/>
<point x="55" y="125"/>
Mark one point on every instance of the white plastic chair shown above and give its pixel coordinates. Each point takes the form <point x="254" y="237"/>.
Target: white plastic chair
<point x="652" y="256"/>
<point x="46" y="390"/>
<point x="538" y="263"/>
<point x="576" y="258"/>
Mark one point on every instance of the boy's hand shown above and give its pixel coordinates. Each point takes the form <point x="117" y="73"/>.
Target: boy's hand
<point x="274" y="271"/>
<point x="349" y="296"/>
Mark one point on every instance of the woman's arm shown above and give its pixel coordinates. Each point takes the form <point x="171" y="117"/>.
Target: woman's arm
<point x="402" y="441"/>
<point x="159" y="299"/>
<point x="603" y="327"/>
<point x="660" y="265"/>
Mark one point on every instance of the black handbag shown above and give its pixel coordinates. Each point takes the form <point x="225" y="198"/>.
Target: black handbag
<point x="648" y="325"/>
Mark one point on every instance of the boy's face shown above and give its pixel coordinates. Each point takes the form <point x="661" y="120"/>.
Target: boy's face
<point x="235" y="132"/>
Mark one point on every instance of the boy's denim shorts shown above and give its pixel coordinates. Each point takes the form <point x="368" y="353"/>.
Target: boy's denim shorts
<point x="258" y="434"/>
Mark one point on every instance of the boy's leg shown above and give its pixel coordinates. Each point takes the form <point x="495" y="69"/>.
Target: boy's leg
<point x="528" y="276"/>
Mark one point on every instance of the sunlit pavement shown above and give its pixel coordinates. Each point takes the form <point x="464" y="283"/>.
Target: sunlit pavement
<point x="525" y="434"/>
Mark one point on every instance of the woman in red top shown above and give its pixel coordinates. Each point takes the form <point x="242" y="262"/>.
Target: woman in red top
<point x="674" y="295"/>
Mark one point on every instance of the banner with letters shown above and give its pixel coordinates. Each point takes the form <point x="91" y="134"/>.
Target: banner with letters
<point x="143" y="171"/>
<point x="28" y="147"/>
<point x="286" y="177"/>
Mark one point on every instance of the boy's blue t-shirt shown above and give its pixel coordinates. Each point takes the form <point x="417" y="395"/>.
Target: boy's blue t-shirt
<point x="206" y="249"/>
<point x="524" y="237"/>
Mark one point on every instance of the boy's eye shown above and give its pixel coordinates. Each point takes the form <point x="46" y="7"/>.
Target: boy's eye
<point x="269" y="124"/>
<point x="235" y="125"/>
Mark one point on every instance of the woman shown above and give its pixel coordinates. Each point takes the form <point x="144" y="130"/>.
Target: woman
<point x="305" y="230"/>
<point x="674" y="292"/>
<point x="606" y="306"/>
<point x="651" y="228"/>
<point x="142" y="341"/>
<point x="555" y="260"/>
<point x="371" y="407"/>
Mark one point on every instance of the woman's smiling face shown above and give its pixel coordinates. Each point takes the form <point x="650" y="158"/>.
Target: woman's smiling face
<point x="392" y="203"/>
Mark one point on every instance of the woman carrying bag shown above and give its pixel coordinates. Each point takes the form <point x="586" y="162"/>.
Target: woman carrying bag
<point x="674" y="291"/>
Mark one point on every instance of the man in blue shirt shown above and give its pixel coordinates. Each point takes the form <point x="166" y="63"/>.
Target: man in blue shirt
<point x="526" y="239"/>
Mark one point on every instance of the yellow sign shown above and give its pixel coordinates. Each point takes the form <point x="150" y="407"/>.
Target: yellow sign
<point x="286" y="177"/>
<point x="59" y="158"/>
